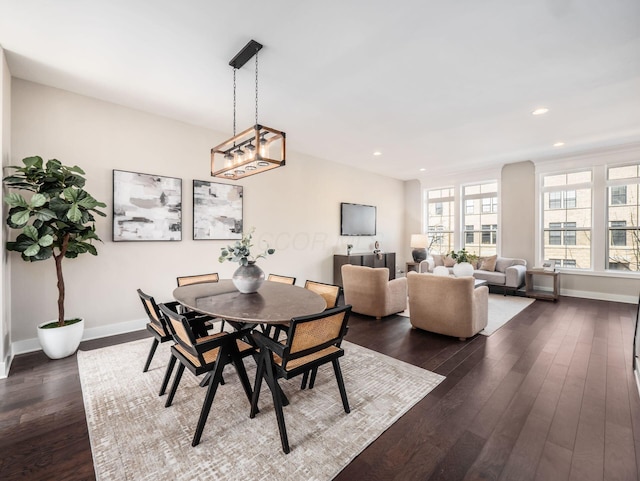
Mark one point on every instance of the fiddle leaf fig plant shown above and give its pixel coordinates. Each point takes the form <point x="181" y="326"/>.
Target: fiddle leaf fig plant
<point x="55" y="220"/>
<point x="463" y="256"/>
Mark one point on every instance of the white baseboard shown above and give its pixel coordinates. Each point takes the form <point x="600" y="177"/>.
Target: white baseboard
<point x="599" y="296"/>
<point x="32" y="345"/>
<point x="5" y="366"/>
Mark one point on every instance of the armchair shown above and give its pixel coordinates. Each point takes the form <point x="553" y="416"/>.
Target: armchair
<point x="370" y="291"/>
<point x="447" y="305"/>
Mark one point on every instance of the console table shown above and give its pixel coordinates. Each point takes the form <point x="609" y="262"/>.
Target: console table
<point x="382" y="259"/>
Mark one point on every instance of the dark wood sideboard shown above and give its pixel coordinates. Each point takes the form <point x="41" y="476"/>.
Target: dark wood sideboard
<point x="383" y="259"/>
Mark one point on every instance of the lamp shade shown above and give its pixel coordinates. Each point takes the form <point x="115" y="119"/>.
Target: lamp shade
<point x="419" y="241"/>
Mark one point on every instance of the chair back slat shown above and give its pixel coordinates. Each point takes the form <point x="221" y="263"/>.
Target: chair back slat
<point x="197" y="279"/>
<point x="281" y="279"/>
<point x="316" y="333"/>
<point x="329" y="292"/>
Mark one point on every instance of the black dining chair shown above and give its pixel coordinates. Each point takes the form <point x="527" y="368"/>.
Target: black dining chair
<point x="281" y="279"/>
<point x="200" y="279"/>
<point x="311" y="342"/>
<point x="206" y="355"/>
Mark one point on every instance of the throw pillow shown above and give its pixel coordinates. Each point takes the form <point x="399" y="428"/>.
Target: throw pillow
<point x="488" y="263"/>
<point x="437" y="260"/>
<point x="449" y="261"/>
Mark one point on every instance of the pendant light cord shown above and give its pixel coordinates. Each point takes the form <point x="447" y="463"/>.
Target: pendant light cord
<point x="256" y="88"/>
<point x="234" y="102"/>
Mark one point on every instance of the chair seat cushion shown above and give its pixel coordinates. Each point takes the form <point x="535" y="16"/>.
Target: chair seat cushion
<point x="497" y="278"/>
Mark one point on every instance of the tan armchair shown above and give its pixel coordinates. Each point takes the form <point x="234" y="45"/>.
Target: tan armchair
<point x="447" y="305"/>
<point x="370" y="291"/>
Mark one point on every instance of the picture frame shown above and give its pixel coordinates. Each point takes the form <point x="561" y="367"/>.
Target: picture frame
<point x="549" y="265"/>
<point x="146" y="207"/>
<point x="217" y="211"/>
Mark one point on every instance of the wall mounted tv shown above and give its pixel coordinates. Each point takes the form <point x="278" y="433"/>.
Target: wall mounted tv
<point x="357" y="219"/>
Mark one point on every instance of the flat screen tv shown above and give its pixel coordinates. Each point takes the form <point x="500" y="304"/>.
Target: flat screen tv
<point x="357" y="219"/>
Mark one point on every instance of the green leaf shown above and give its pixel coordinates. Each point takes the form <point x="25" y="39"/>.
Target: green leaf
<point x="45" y="241"/>
<point x="20" y="218"/>
<point x="38" y="200"/>
<point x="31" y="232"/>
<point x="33" y="162"/>
<point x="71" y="194"/>
<point x="74" y="214"/>
<point x="15" y="200"/>
<point x="32" y="250"/>
<point x="76" y="169"/>
<point x="45" y="253"/>
<point x="44" y="215"/>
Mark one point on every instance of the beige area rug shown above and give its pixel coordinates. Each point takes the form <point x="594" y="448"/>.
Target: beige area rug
<point x="501" y="310"/>
<point x="134" y="437"/>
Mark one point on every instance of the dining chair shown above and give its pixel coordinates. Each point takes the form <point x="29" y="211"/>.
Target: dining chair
<point x="209" y="355"/>
<point x="197" y="279"/>
<point x="330" y="293"/>
<point x="311" y="342"/>
<point x="157" y="326"/>
<point x="200" y="279"/>
<point x="281" y="279"/>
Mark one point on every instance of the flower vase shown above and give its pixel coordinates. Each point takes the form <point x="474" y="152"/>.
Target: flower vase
<point x="249" y="278"/>
<point x="463" y="269"/>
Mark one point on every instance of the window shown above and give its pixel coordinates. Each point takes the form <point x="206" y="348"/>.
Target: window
<point x="440" y="219"/>
<point x="481" y="218"/>
<point x="566" y="217"/>
<point x="618" y="235"/>
<point x="619" y="195"/>
<point x="468" y="209"/>
<point x="623" y="211"/>
<point x="468" y="234"/>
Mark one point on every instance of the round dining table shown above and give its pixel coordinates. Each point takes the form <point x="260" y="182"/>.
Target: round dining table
<point x="274" y="303"/>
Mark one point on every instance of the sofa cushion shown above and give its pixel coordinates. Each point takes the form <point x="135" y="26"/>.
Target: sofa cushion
<point x="488" y="263"/>
<point x="437" y="260"/>
<point x="449" y="261"/>
<point x="496" y="278"/>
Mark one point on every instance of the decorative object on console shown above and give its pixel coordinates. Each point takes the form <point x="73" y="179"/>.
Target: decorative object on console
<point x="441" y="271"/>
<point x="349" y="247"/>
<point x="419" y="243"/>
<point x="146" y="207"/>
<point x="217" y="210"/>
<point x="463" y="266"/>
<point x="254" y="150"/>
<point x="248" y="277"/>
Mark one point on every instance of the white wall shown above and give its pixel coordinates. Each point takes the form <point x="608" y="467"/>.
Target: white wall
<point x="5" y="152"/>
<point x="294" y="208"/>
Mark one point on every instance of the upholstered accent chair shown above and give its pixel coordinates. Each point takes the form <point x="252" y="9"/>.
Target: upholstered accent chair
<point x="370" y="291"/>
<point x="447" y="305"/>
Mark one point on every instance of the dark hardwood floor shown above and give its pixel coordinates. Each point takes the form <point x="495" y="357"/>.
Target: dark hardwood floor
<point x="548" y="397"/>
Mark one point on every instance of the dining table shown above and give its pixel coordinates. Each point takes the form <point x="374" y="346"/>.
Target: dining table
<point x="273" y="303"/>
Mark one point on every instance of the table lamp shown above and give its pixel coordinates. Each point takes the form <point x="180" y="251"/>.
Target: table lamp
<point x="419" y="242"/>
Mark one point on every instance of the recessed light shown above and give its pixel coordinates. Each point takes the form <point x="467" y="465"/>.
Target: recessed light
<point x="423" y="169"/>
<point x="377" y="153"/>
<point x="540" y="111"/>
<point x="558" y="144"/>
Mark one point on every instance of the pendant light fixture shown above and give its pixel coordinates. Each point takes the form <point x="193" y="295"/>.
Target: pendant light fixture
<point x="254" y="150"/>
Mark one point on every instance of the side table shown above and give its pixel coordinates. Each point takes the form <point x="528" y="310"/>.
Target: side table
<point x="538" y="294"/>
<point x="412" y="266"/>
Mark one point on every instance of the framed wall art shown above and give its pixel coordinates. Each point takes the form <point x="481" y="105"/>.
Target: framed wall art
<point x="217" y="211"/>
<point x="146" y="207"/>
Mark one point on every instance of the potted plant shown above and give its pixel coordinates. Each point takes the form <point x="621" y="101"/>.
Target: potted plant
<point x="55" y="220"/>
<point x="464" y="260"/>
<point x="248" y="277"/>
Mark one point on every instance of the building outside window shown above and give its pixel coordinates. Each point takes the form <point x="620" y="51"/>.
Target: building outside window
<point x="481" y="218"/>
<point x="439" y="212"/>
<point x="566" y="218"/>
<point x="623" y="210"/>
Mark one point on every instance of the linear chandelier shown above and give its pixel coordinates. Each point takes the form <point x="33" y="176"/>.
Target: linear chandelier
<point x="254" y="150"/>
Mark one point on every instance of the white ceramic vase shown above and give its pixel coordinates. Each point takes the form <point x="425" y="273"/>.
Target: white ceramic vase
<point x="59" y="342"/>
<point x="249" y="278"/>
<point x="463" y="269"/>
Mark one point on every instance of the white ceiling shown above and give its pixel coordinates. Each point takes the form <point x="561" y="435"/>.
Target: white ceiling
<point x="441" y="85"/>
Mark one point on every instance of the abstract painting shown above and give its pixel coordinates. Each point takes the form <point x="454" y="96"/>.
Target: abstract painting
<point x="217" y="210"/>
<point x="146" y="207"/>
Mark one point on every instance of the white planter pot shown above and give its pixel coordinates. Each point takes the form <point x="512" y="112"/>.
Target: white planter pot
<point x="60" y="342"/>
<point x="463" y="269"/>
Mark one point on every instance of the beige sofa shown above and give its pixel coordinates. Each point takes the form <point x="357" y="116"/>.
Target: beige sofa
<point x="509" y="272"/>
<point x="370" y="292"/>
<point x="447" y="305"/>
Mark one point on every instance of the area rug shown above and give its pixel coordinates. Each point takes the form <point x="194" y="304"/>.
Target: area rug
<point x="134" y="437"/>
<point x="501" y="310"/>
